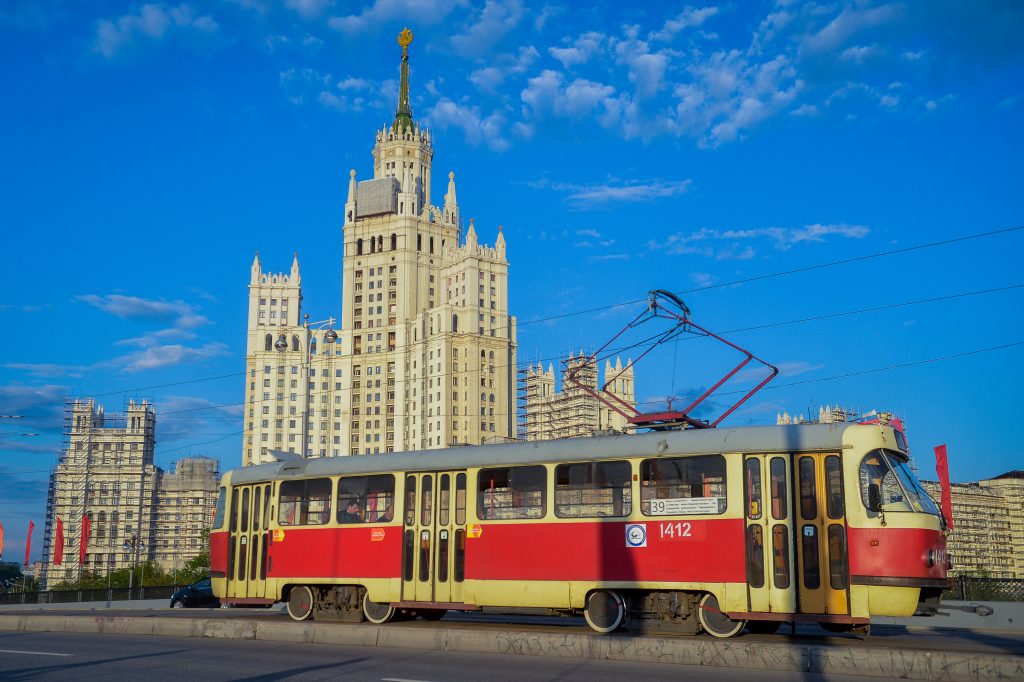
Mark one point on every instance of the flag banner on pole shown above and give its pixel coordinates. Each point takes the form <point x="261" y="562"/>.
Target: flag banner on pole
<point x="58" y="545"/>
<point x="942" y="469"/>
<point x="1" y="539"/>
<point x="28" y="543"/>
<point x="83" y="541"/>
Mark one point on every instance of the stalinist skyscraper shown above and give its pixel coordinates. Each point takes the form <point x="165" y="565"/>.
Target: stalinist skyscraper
<point x="425" y="355"/>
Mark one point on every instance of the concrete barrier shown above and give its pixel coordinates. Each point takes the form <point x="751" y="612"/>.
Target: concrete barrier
<point x="850" y="659"/>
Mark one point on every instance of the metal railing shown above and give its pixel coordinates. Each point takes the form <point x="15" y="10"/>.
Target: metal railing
<point x="98" y="594"/>
<point x="970" y="588"/>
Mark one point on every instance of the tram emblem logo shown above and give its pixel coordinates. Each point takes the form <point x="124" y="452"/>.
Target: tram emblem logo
<point x="636" y="535"/>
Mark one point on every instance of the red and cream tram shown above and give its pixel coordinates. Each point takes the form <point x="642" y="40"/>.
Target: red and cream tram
<point x="672" y="531"/>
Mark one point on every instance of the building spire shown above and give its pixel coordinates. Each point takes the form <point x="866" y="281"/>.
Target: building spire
<point x="403" y="114"/>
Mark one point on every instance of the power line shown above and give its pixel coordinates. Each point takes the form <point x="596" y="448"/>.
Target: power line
<point x="783" y="273"/>
<point x="874" y="370"/>
<point x="859" y="311"/>
<point x="944" y="242"/>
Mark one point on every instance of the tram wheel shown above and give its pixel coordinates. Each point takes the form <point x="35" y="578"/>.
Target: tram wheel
<point x="605" y="610"/>
<point x="763" y="627"/>
<point x="714" y="621"/>
<point x="377" y="614"/>
<point x="300" y="603"/>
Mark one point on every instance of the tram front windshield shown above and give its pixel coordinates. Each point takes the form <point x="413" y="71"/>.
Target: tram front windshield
<point x="900" y="490"/>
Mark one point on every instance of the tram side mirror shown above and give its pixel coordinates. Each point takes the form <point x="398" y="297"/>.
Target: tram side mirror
<point x="874" y="497"/>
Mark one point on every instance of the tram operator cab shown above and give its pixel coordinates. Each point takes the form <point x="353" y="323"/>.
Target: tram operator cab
<point x="672" y="531"/>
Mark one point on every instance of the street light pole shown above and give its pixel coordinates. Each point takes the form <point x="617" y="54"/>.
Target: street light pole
<point x="132" y="545"/>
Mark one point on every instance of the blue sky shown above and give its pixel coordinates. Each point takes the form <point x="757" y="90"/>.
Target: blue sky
<point x="147" y="150"/>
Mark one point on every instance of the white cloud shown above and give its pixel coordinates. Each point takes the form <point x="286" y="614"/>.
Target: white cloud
<point x="497" y="18"/>
<point x="308" y="9"/>
<point x="805" y="110"/>
<point x="688" y="18"/>
<point x="156" y="357"/>
<point x="545" y="93"/>
<point x="504" y="66"/>
<point x="152" y="21"/>
<point x="645" y="69"/>
<point x="847" y="24"/>
<point x="489" y="130"/>
<point x="591" y="196"/>
<point x="581" y="50"/>
<point x="183" y="317"/>
<point x="413" y="12"/>
<point x="858" y="54"/>
<point x="703" y="279"/>
<point x="703" y="241"/>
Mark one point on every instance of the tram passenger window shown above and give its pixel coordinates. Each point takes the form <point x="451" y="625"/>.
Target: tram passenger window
<point x="755" y="555"/>
<point x="753" y="481"/>
<point x="683" y="485"/>
<point x="593" y="490"/>
<point x="427" y="501"/>
<point x="460" y="555"/>
<point x="235" y="495"/>
<point x="780" y="555"/>
<point x="245" y="511"/>
<point x="834" y="487"/>
<point x="837" y="556"/>
<point x="460" y="499"/>
<point x="780" y="504"/>
<point x="512" y="492"/>
<point x="256" y="518"/>
<point x="375" y="495"/>
<point x="218" y="516"/>
<point x="444" y="500"/>
<point x="809" y="543"/>
<point x="304" y="503"/>
<point x="808" y="490"/>
<point x="410" y="502"/>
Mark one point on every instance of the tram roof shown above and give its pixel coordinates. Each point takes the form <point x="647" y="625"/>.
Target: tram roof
<point x="749" y="439"/>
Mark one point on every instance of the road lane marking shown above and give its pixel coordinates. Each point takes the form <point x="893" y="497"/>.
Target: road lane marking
<point x="32" y="653"/>
<point x="400" y="679"/>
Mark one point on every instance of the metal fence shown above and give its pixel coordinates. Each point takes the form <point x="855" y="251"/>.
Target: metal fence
<point x="99" y="594"/>
<point x="970" y="588"/>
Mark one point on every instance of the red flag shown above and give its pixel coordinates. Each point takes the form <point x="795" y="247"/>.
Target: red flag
<point x="1" y="539"/>
<point x="58" y="545"/>
<point x="28" y="542"/>
<point x="83" y="542"/>
<point x="942" y="469"/>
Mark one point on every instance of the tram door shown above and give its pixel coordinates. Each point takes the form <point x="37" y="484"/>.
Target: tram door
<point x="434" y="540"/>
<point x="821" y="534"/>
<point x="769" y="527"/>
<point x="248" y="535"/>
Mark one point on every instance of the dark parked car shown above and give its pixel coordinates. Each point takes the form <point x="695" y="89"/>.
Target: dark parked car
<point x="197" y="594"/>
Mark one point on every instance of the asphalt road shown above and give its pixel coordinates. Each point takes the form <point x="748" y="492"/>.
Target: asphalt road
<point x="64" y="656"/>
<point x="883" y="636"/>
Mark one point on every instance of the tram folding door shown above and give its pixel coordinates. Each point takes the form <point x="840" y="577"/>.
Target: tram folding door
<point x="821" y="534"/>
<point x="769" y="527"/>
<point x="434" y="540"/>
<point x="248" y="537"/>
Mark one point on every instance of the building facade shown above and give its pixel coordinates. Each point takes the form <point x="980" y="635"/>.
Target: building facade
<point x="424" y="353"/>
<point x="988" y="521"/>
<point x="186" y="498"/>
<point x="106" y="474"/>
<point x="572" y="412"/>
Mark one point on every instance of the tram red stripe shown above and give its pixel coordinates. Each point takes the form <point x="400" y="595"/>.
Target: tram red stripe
<point x="896" y="552"/>
<point x="707" y="550"/>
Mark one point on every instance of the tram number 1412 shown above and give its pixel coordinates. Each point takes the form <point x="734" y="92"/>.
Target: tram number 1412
<point x="678" y="529"/>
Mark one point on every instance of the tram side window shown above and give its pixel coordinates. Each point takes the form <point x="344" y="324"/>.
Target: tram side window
<point x="218" y="516"/>
<point x="683" y="485"/>
<point x="593" y="490"/>
<point x="375" y="495"/>
<point x="304" y="503"/>
<point x="512" y="492"/>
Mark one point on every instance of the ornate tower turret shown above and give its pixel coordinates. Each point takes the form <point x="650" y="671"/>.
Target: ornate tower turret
<point x="403" y="114"/>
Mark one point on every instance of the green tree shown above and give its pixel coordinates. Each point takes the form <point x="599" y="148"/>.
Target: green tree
<point x="198" y="567"/>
